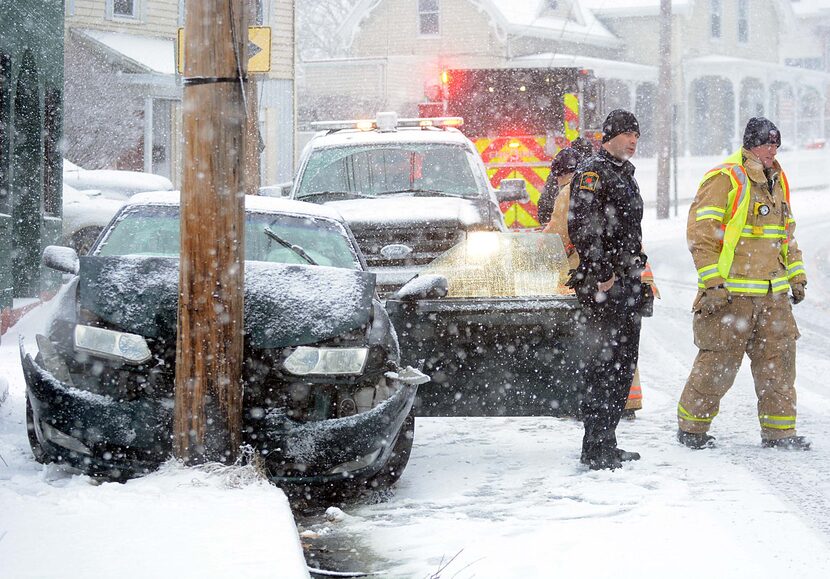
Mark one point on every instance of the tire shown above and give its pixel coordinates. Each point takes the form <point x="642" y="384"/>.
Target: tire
<point x="389" y="474"/>
<point x="37" y="449"/>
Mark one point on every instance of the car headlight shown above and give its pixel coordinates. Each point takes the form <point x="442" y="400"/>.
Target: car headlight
<point x="130" y="348"/>
<point x="307" y="360"/>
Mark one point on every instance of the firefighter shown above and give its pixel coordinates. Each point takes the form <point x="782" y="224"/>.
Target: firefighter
<point x="604" y="224"/>
<point x="740" y="232"/>
<point x="561" y="172"/>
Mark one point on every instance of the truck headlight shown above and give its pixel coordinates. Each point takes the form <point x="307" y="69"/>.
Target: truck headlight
<point x="130" y="348"/>
<point x="307" y="360"/>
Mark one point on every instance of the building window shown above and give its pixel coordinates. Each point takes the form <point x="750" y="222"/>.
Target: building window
<point x="428" y="17"/>
<point x="122" y="8"/>
<point x="69" y="8"/>
<point x="743" y="20"/>
<point x="715" y="17"/>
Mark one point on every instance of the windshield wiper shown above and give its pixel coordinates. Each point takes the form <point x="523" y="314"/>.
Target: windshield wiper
<point x="345" y="194"/>
<point x="423" y="192"/>
<point x="295" y="248"/>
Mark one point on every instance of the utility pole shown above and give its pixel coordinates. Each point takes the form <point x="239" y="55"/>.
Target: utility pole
<point x="252" y="146"/>
<point x="664" y="110"/>
<point x="208" y="388"/>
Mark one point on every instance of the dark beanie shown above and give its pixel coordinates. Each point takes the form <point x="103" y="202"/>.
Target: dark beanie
<point x="617" y="122"/>
<point x="583" y="146"/>
<point x="565" y="162"/>
<point x="761" y="131"/>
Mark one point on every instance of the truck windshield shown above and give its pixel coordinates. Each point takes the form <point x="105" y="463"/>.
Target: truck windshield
<point x="154" y="230"/>
<point x="402" y="168"/>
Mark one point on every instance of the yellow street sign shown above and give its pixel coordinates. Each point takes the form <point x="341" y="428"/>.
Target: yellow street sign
<point x="259" y="49"/>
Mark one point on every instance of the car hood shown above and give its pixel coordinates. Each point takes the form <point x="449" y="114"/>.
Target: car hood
<point x="285" y="305"/>
<point x="398" y="211"/>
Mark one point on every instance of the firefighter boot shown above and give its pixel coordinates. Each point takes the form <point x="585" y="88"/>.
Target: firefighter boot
<point x="602" y="459"/>
<point x="789" y="443"/>
<point x="695" y="440"/>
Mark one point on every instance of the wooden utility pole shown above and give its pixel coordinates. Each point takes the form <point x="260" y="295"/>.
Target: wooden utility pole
<point x="208" y="398"/>
<point x="664" y="112"/>
<point x="252" y="146"/>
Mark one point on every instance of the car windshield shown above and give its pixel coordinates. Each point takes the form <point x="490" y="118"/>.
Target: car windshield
<point x="154" y="230"/>
<point x="402" y="168"/>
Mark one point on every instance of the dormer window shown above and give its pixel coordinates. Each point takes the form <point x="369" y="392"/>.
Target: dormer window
<point x="428" y="18"/>
<point x="743" y="21"/>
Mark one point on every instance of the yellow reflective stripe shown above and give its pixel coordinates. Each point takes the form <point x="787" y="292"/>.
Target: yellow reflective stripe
<point x="685" y="415"/>
<point x="708" y="272"/>
<point x="777" y="422"/>
<point x="710" y="212"/>
<point x="765" y="231"/>
<point x="757" y="286"/>
<point x="796" y="268"/>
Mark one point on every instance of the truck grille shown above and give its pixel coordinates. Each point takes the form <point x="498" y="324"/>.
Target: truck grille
<point x="426" y="244"/>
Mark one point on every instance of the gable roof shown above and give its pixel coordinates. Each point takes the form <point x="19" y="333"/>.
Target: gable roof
<point x="529" y="18"/>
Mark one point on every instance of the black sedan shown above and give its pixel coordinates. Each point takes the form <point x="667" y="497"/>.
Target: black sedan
<point x="325" y="401"/>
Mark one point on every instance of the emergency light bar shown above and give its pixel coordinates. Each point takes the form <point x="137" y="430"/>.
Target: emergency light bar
<point x="388" y="122"/>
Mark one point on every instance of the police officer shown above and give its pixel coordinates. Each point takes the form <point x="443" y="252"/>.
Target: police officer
<point x="740" y="232"/>
<point x="604" y="224"/>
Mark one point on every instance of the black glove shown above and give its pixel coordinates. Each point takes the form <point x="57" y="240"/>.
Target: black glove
<point x="713" y="299"/>
<point x="798" y="292"/>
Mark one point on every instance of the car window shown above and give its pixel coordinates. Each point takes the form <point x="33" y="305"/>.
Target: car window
<point x="379" y="170"/>
<point x="154" y="230"/>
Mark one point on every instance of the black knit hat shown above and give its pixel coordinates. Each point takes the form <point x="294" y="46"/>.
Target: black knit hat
<point x="582" y="146"/>
<point x="617" y="122"/>
<point x="761" y="131"/>
<point x="565" y="162"/>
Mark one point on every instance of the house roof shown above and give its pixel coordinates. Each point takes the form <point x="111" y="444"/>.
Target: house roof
<point x="628" y="8"/>
<point x="601" y="67"/>
<point x="516" y="17"/>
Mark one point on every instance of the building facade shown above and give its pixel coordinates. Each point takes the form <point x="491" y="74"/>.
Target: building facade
<point x="123" y="90"/>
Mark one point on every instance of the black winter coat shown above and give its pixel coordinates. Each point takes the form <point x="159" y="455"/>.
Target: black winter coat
<point x="604" y="224"/>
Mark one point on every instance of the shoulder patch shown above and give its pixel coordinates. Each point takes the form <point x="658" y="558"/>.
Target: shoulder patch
<point x="589" y="181"/>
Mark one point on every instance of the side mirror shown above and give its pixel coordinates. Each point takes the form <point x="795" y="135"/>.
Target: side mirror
<point x="277" y="190"/>
<point x="423" y="287"/>
<point x="512" y="190"/>
<point x="59" y="258"/>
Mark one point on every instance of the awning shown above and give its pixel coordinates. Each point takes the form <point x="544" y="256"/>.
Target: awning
<point x="601" y="67"/>
<point x="148" y="53"/>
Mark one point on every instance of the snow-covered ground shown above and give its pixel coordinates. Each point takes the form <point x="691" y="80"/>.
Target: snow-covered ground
<point x="484" y="497"/>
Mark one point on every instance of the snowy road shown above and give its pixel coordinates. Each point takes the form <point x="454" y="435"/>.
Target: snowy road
<point x="506" y="497"/>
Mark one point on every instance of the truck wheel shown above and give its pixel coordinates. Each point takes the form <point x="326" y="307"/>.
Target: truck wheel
<point x="37" y="449"/>
<point x="394" y="467"/>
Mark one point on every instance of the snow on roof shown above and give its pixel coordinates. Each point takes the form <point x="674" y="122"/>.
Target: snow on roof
<point x="518" y="17"/>
<point x="402" y="135"/>
<point x="805" y="8"/>
<point x="601" y="67"/>
<point x="252" y="203"/>
<point x="525" y="18"/>
<point x="604" y="8"/>
<point x="152" y="53"/>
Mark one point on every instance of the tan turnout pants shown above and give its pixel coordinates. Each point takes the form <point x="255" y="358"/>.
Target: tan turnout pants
<point x="763" y="327"/>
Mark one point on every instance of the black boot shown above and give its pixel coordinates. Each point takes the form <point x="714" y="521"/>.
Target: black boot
<point x="789" y="443"/>
<point x="629" y="414"/>
<point x="604" y="459"/>
<point x="695" y="440"/>
<point x="625" y="456"/>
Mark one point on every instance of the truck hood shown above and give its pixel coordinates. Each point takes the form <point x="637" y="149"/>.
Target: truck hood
<point x="400" y="211"/>
<point x="285" y="305"/>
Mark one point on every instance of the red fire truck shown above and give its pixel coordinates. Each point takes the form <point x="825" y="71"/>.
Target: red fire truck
<point x="519" y="118"/>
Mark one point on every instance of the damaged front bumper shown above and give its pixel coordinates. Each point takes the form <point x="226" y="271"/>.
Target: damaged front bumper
<point x="119" y="439"/>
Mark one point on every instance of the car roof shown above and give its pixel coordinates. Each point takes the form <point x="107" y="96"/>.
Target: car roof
<point x="258" y="203"/>
<point x="344" y="137"/>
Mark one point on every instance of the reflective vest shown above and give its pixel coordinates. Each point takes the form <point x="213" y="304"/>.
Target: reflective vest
<point x="735" y="227"/>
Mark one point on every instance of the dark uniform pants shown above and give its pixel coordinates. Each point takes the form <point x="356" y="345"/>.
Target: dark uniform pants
<point x="762" y="327"/>
<point x="611" y="342"/>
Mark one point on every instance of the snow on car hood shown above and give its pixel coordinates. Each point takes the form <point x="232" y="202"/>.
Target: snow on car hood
<point x="396" y="211"/>
<point x="285" y="305"/>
